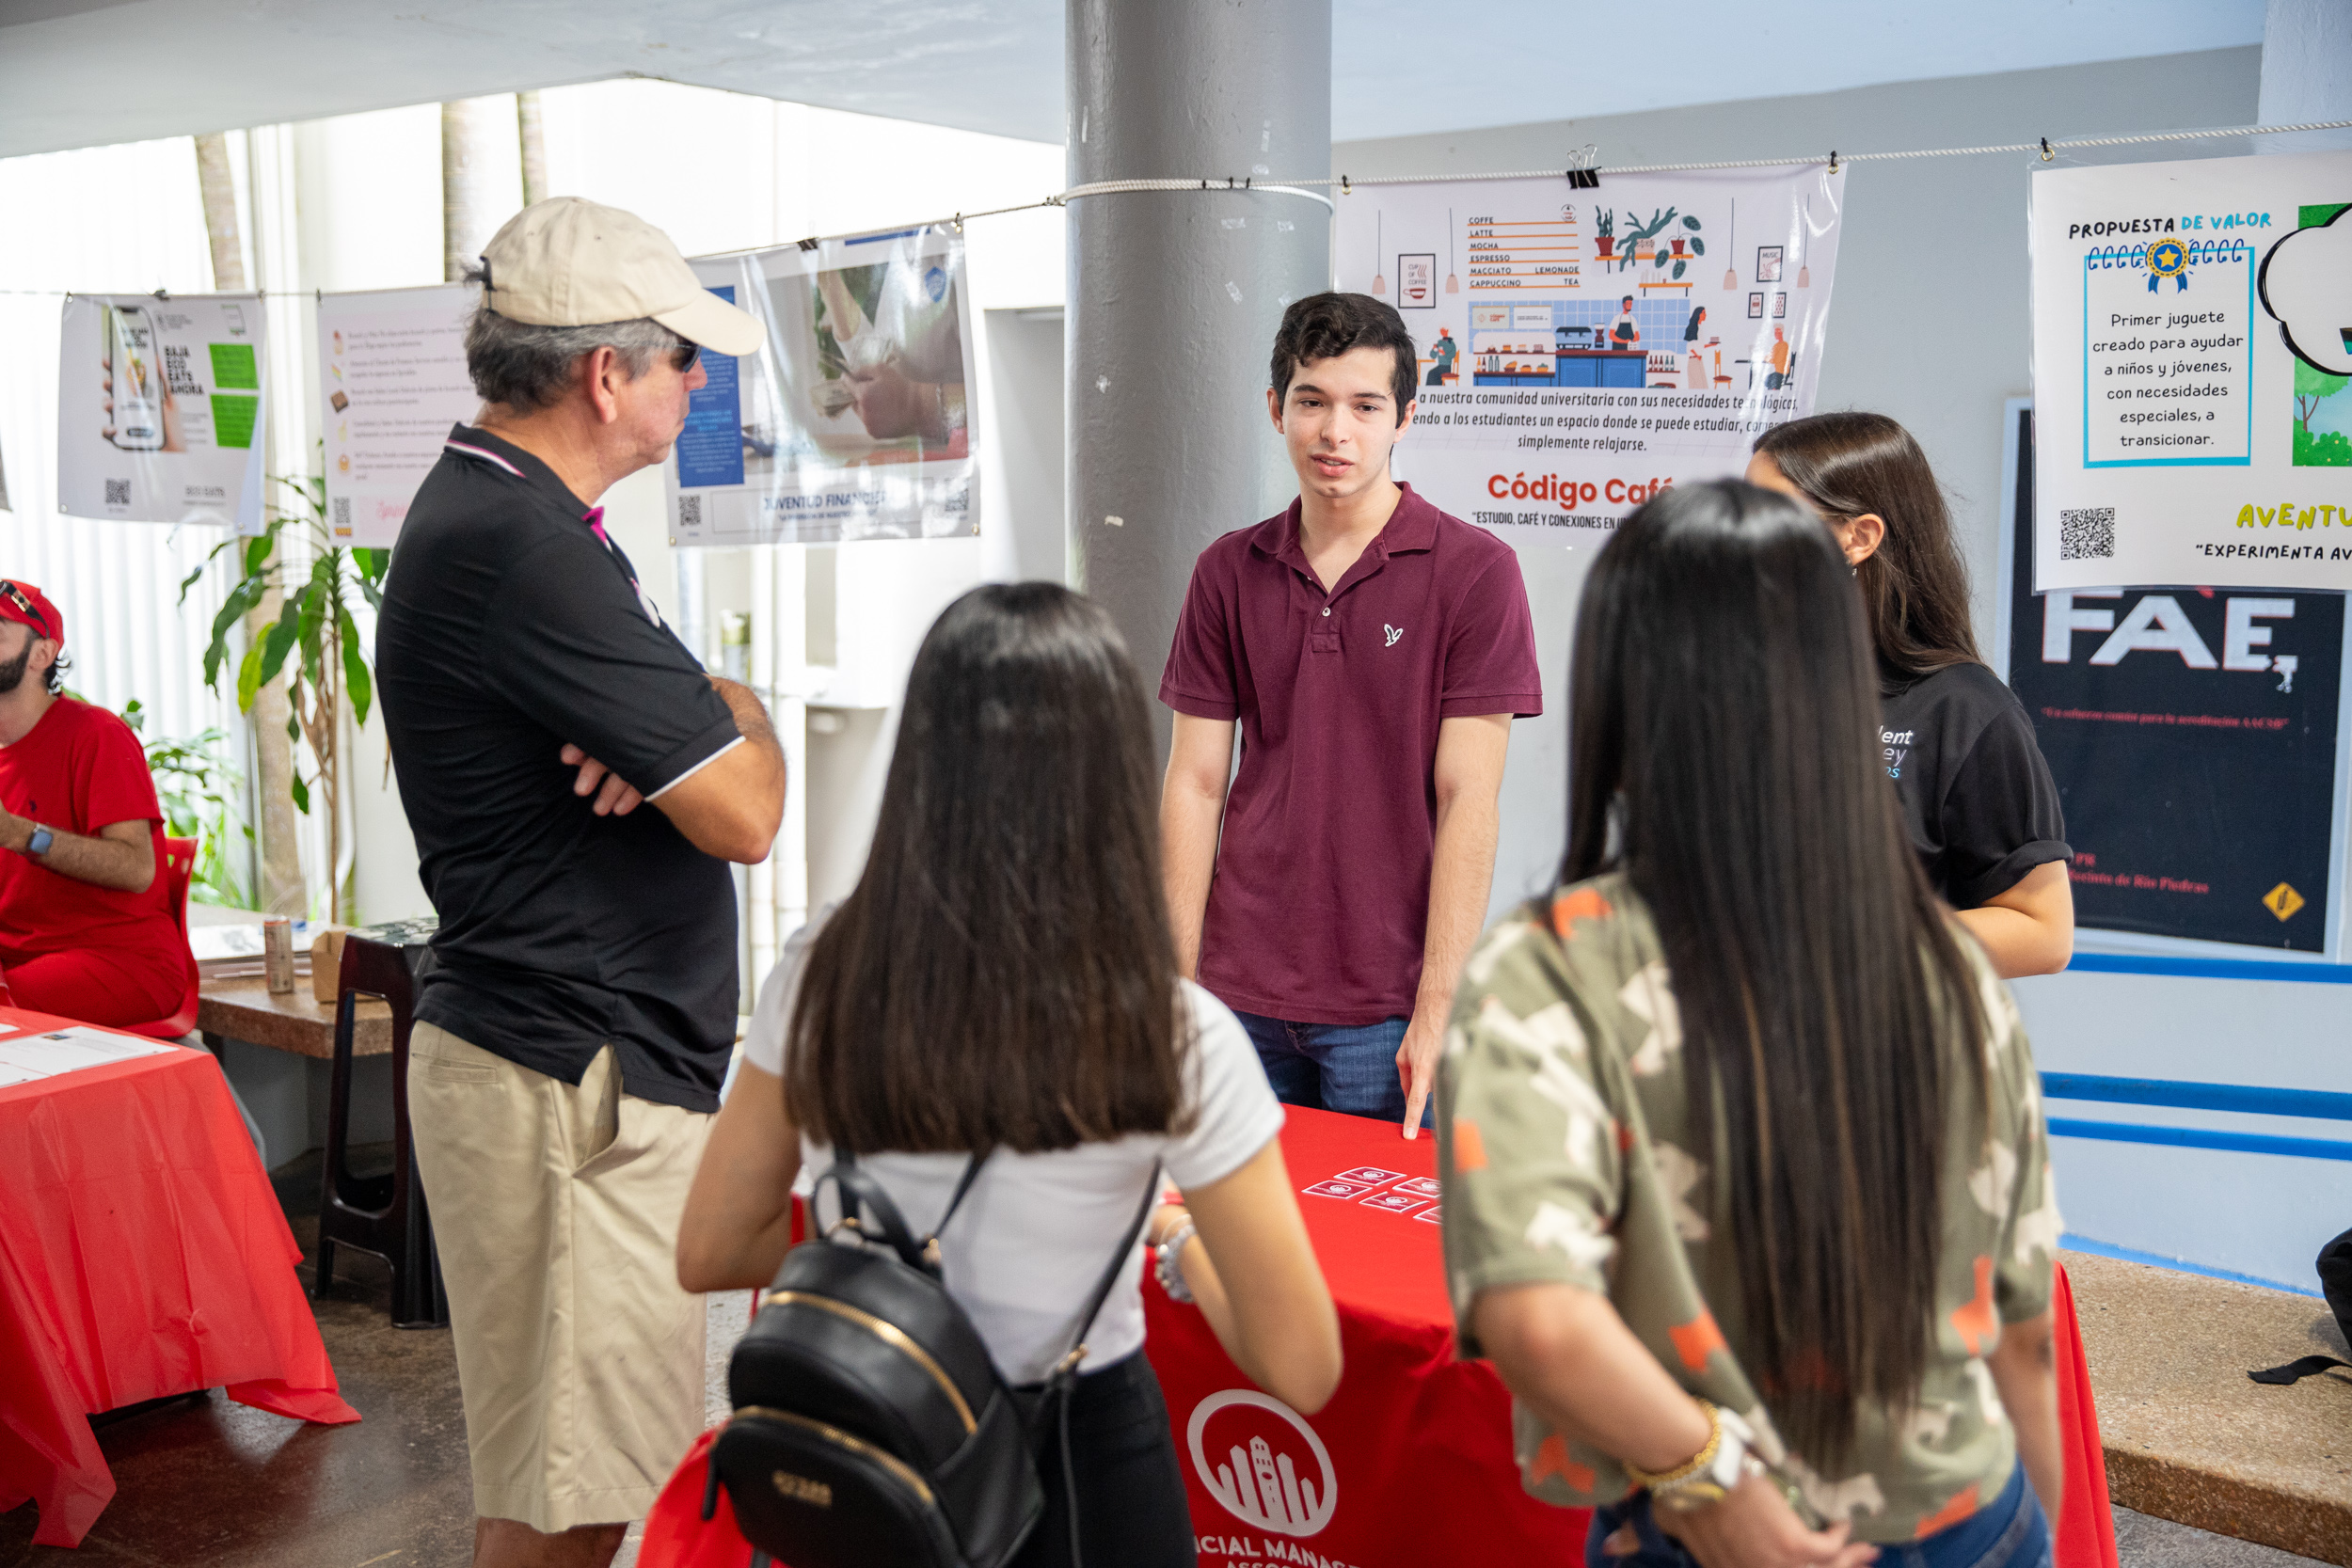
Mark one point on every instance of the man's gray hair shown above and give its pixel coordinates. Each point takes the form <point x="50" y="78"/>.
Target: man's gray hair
<point x="529" y="368"/>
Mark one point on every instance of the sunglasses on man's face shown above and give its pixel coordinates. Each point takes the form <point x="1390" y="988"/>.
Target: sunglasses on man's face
<point x="682" y="358"/>
<point x="18" y="598"/>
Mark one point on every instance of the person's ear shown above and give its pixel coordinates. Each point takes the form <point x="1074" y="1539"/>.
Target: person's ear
<point x="44" y="655"/>
<point x="1274" y="409"/>
<point x="1405" y="422"/>
<point x="602" y="367"/>
<point x="1862" y="537"/>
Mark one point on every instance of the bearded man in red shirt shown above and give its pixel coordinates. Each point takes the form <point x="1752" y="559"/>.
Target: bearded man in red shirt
<point x="87" y="930"/>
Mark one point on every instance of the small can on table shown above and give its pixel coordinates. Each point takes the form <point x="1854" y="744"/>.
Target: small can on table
<point x="277" y="954"/>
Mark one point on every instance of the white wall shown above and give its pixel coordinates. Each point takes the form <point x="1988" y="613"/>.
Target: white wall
<point x="1930" y="323"/>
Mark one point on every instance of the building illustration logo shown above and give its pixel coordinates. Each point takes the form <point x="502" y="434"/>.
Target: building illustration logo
<point x="1257" y="1478"/>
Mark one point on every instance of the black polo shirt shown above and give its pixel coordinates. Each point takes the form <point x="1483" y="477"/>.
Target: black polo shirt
<point x="511" y="627"/>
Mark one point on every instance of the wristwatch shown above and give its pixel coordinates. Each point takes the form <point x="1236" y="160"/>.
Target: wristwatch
<point x="41" y="841"/>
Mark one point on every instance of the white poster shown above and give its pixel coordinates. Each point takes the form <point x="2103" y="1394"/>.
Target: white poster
<point x="159" y="409"/>
<point x="2192" y="354"/>
<point x="1580" y="350"/>
<point x="853" y="422"/>
<point x="392" y="381"/>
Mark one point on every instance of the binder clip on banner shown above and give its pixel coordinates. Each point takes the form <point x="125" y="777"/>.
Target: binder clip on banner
<point x="1585" y="168"/>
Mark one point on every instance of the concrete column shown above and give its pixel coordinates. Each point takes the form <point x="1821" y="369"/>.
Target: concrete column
<point x="2307" y="73"/>
<point x="1174" y="295"/>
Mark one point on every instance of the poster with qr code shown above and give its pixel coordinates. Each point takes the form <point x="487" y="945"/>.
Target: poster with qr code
<point x="2163" y="713"/>
<point x="392" y="381"/>
<point x="854" y="421"/>
<point x="159" y="409"/>
<point x="2192" y="370"/>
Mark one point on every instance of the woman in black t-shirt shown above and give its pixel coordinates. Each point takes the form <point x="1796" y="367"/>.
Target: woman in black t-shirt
<point x="1976" y="796"/>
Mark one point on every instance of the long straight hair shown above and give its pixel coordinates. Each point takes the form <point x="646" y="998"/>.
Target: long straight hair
<point x="1003" y="973"/>
<point x="1915" y="584"/>
<point x="1725" y="721"/>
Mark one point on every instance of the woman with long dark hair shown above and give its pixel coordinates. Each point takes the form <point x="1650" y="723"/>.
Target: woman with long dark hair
<point x="1003" y="980"/>
<point x="1745" y="1185"/>
<point x="1977" y="794"/>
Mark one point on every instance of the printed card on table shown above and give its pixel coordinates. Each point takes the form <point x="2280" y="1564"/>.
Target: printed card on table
<point x="1396" y="1203"/>
<point x="1419" y="1186"/>
<point x="1335" y="1189"/>
<point x="1370" y="1176"/>
<point x="1434" y="1214"/>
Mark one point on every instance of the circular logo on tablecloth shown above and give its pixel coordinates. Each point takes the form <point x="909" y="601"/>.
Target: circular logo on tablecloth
<point x="1258" y="1473"/>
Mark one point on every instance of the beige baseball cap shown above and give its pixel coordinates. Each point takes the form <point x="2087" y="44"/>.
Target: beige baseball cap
<point x="566" y="261"/>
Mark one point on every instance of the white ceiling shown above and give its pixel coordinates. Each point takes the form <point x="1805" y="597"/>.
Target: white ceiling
<point x="86" y="72"/>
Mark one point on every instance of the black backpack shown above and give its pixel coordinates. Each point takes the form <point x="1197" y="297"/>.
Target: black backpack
<point x="870" y="1425"/>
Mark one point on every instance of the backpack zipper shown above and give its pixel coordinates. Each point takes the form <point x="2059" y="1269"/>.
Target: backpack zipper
<point x="834" y="1434"/>
<point x="890" y="1334"/>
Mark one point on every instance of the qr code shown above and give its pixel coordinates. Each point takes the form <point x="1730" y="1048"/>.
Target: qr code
<point x="118" y="492"/>
<point x="690" y="512"/>
<point x="2086" y="533"/>
<point x="342" y="514"/>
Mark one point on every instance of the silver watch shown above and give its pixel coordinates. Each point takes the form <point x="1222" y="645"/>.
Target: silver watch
<point x="1164" y="1261"/>
<point x="41" y="841"/>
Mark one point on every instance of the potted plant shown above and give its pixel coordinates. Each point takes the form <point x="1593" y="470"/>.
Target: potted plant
<point x="315" y="644"/>
<point x="1604" y="231"/>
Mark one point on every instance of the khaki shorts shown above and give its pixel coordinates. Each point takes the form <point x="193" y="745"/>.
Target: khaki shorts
<point x="556" y="1212"/>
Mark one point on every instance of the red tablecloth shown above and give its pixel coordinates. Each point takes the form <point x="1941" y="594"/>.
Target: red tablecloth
<point x="1411" y="1463"/>
<point x="142" y="1253"/>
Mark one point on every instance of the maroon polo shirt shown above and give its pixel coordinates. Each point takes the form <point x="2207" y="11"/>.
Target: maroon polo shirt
<point x="1321" y="898"/>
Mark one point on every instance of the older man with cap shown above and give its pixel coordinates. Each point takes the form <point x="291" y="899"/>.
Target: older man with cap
<point x="576" y="784"/>
<point x="86" y="928"/>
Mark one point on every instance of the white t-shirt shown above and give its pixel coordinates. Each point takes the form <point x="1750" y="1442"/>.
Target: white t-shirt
<point x="1037" y="1230"/>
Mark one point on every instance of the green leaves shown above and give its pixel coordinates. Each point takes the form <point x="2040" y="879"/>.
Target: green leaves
<point x="1679" y="267"/>
<point x="1690" y="223"/>
<point x="356" y="683"/>
<point x="301" y="793"/>
<point x="1698" y="246"/>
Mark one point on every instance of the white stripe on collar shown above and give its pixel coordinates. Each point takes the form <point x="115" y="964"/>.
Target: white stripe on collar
<point x="485" y="453"/>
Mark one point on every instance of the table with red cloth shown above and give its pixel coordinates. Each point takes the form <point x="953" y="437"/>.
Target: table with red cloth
<point x="1411" y="1463"/>
<point x="142" y="1254"/>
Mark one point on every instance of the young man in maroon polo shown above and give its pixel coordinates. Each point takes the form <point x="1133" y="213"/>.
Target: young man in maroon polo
<point x="1374" y="652"/>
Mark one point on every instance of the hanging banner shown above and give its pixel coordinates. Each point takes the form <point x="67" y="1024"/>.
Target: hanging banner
<point x="1582" y="349"/>
<point x="853" y="422"/>
<point x="2162" y="714"/>
<point x="392" y="381"/>
<point x="159" y="408"/>
<point x="2192" y="352"/>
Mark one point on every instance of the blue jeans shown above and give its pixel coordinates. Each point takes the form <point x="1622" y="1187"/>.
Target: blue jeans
<point x="2008" y="1532"/>
<point x="1335" y="1066"/>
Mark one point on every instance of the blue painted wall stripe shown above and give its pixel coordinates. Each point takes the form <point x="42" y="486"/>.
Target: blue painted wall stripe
<point x="2198" y="1097"/>
<point x="2200" y="1137"/>
<point x="2210" y="969"/>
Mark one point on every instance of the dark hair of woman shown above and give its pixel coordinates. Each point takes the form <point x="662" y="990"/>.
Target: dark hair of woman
<point x="1723" y="734"/>
<point x="1914" y="584"/>
<point x="1003" y="973"/>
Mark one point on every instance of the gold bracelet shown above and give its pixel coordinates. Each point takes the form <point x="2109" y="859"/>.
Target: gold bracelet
<point x="1659" y="1479"/>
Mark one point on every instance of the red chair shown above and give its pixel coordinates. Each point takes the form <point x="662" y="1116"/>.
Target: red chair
<point x="179" y="871"/>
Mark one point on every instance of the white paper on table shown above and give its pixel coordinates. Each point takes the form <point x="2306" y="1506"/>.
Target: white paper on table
<point x="72" y="1049"/>
<point x="12" y="1075"/>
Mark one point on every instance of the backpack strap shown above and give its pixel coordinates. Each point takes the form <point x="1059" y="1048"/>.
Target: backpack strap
<point x="860" y="1194"/>
<point x="1057" y="1383"/>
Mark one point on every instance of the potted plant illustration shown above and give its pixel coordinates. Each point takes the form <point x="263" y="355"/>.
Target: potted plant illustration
<point x="1641" y="239"/>
<point x="1697" y="247"/>
<point x="1604" y="231"/>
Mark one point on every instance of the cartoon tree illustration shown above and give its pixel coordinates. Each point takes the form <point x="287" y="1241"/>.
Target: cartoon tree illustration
<point x="2310" y="385"/>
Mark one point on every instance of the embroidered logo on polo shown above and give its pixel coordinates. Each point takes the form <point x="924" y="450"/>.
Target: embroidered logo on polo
<point x="1393" y="633"/>
<point x="1257" y="1475"/>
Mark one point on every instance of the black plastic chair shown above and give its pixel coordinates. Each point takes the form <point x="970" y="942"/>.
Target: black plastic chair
<point x="383" y="1214"/>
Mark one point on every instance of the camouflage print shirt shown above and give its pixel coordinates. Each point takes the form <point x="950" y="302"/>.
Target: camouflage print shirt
<point x="1564" y="1148"/>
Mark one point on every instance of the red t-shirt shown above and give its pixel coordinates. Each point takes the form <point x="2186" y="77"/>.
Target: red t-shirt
<point x="1320" y="905"/>
<point x="76" y="770"/>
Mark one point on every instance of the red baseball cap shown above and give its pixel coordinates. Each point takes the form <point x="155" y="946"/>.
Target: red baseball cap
<point x="28" y="606"/>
